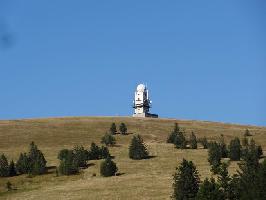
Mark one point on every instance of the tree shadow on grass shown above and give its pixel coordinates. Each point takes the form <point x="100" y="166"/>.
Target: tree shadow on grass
<point x="149" y="157"/>
<point x="120" y="174"/>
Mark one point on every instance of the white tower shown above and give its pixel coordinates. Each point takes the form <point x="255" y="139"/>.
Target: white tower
<point x="142" y="103"/>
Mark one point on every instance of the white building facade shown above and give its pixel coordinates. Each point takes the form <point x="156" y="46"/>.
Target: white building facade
<point x="142" y="102"/>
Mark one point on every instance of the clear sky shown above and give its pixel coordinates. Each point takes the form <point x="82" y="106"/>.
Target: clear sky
<point x="202" y="60"/>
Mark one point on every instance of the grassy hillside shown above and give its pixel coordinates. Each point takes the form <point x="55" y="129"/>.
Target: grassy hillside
<point x="145" y="179"/>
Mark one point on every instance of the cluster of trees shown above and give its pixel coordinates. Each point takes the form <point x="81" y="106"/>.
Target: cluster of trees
<point x="248" y="183"/>
<point x="178" y="138"/>
<point x="74" y="159"/>
<point x="235" y="151"/>
<point x="122" y="129"/>
<point x="32" y="163"/>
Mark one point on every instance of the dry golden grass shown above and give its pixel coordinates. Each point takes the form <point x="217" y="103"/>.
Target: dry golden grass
<point x="144" y="179"/>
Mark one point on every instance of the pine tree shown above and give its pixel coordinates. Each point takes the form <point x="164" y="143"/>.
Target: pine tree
<point x="4" y="168"/>
<point x="186" y="181"/>
<point x="113" y="129"/>
<point x="12" y="169"/>
<point x="62" y="154"/>
<point x="259" y="151"/>
<point x="235" y="149"/>
<point x="108" y="167"/>
<point x="94" y="153"/>
<point x="104" y="152"/>
<point x="223" y="147"/>
<point x="108" y="140"/>
<point x="23" y="164"/>
<point x="68" y="165"/>
<point x="193" y="141"/>
<point x="36" y="160"/>
<point x="204" y="142"/>
<point x="137" y="148"/>
<point x="209" y="190"/>
<point x="80" y="156"/>
<point x="180" y="141"/>
<point x="123" y="128"/>
<point x="224" y="180"/>
<point x="249" y="167"/>
<point x="214" y="156"/>
<point x="173" y="134"/>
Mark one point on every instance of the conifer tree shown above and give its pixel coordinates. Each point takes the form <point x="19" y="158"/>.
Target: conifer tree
<point x="193" y="141"/>
<point x="12" y="169"/>
<point x="37" y="162"/>
<point x="68" y="165"/>
<point x="104" y="152"/>
<point x="123" y="129"/>
<point x="137" y="148"/>
<point x="23" y="164"/>
<point x="235" y="149"/>
<point x="108" y="167"/>
<point x="80" y="156"/>
<point x="62" y="154"/>
<point x="4" y="168"/>
<point x="186" y="181"/>
<point x="95" y="152"/>
<point x="113" y="129"/>
<point x="209" y="190"/>
<point x="180" y="141"/>
<point x="223" y="147"/>
<point x="173" y="134"/>
<point x="214" y="156"/>
<point x="108" y="140"/>
<point x="224" y="180"/>
<point x="204" y="142"/>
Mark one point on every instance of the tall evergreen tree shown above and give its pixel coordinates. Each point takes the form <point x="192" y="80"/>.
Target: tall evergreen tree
<point x="12" y="169"/>
<point x="36" y="160"/>
<point x="123" y="129"/>
<point x="108" y="167"/>
<point x="235" y="149"/>
<point x="224" y="180"/>
<point x="209" y="190"/>
<point x="223" y="147"/>
<point x="193" y="141"/>
<point x="214" y="156"/>
<point x="137" y="148"/>
<point x="186" y="181"/>
<point x="62" y="154"/>
<point x="113" y="129"/>
<point x="4" y="168"/>
<point x="248" y="172"/>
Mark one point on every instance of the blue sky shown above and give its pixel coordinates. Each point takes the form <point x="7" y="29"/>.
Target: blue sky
<point x="202" y="60"/>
